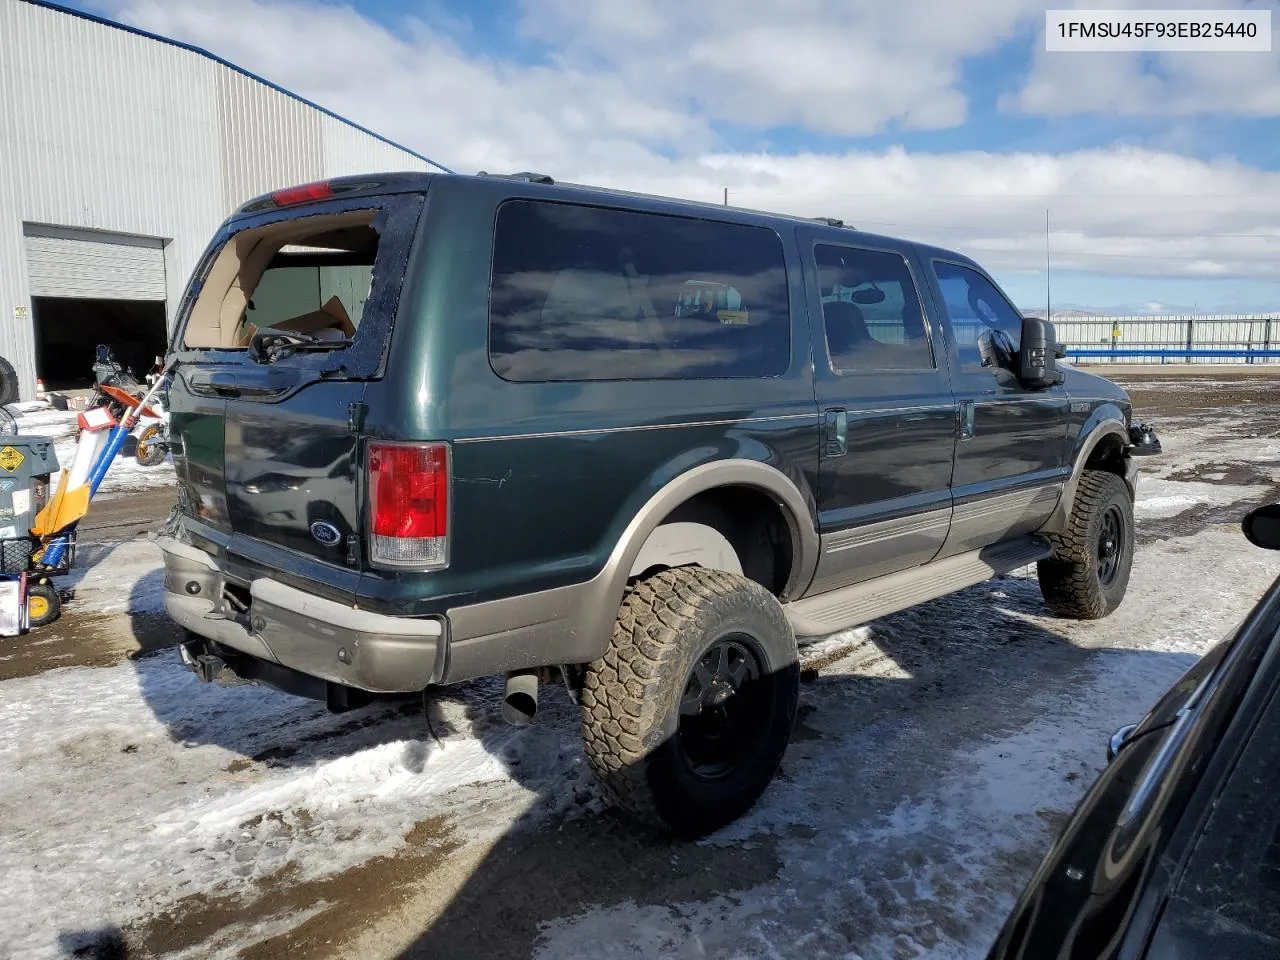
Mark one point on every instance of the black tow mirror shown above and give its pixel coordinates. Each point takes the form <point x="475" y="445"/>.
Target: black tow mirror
<point x="1038" y="354"/>
<point x="1262" y="526"/>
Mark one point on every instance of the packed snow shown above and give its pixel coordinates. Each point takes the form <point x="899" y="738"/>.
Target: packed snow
<point x="936" y="760"/>
<point x="124" y="476"/>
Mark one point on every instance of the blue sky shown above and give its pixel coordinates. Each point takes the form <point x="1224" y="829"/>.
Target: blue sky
<point x="936" y="119"/>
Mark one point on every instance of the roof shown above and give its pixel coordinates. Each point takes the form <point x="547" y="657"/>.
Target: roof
<point x="384" y="183"/>
<point x="94" y="18"/>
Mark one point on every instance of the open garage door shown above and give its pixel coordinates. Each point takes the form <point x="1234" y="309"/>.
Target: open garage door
<point x="67" y="332"/>
<point x="68" y="263"/>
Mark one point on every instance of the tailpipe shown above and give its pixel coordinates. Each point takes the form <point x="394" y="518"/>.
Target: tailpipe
<point x="520" y="697"/>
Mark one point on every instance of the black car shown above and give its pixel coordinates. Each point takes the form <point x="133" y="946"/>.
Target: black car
<point x="1175" y="851"/>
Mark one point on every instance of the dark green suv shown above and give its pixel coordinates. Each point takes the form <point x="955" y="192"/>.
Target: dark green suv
<point x="433" y="427"/>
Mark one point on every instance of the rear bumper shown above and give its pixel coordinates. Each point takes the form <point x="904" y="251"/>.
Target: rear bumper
<point x="301" y="631"/>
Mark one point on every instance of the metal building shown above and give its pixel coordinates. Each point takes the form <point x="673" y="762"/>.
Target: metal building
<point x="120" y="154"/>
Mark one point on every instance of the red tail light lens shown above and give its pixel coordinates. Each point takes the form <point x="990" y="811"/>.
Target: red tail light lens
<point x="307" y="192"/>
<point x="409" y="504"/>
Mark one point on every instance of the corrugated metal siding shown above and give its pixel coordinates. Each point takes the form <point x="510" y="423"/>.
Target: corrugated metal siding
<point x="58" y="267"/>
<point x="348" y="152"/>
<point x="266" y="142"/>
<point x="103" y="129"/>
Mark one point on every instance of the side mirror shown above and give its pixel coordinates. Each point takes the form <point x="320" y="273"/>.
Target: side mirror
<point x="1262" y="526"/>
<point x="1038" y="354"/>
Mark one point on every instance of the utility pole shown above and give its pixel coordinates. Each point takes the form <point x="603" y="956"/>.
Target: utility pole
<point x="726" y="196"/>
<point x="1048" y="303"/>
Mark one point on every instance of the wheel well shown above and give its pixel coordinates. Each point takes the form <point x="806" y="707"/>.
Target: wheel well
<point x="1108" y="455"/>
<point x="755" y="526"/>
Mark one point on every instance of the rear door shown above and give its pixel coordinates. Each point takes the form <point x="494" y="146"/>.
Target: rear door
<point x="889" y="418"/>
<point x="288" y="319"/>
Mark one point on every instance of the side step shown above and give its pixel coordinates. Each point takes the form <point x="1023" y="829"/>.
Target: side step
<point x="860" y="603"/>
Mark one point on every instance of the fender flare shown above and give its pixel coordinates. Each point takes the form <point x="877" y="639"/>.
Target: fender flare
<point x="1106" y="421"/>
<point x="608" y="587"/>
<point x="709" y="476"/>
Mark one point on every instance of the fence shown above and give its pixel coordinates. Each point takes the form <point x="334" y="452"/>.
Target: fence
<point x="1239" y="339"/>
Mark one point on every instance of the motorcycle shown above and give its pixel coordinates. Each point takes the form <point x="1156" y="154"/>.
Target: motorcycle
<point x="116" y="388"/>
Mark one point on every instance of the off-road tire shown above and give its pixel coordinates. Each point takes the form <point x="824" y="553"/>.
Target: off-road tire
<point x="8" y="383"/>
<point x="631" y="698"/>
<point x="1069" y="578"/>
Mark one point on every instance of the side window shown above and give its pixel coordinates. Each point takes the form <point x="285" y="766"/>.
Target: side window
<point x="871" y="311"/>
<point x="975" y="305"/>
<point x="588" y="293"/>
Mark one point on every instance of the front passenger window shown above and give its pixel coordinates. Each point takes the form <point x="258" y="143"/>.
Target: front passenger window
<point x="975" y="306"/>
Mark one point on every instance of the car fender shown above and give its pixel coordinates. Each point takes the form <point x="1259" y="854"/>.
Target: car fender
<point x="1105" y="421"/>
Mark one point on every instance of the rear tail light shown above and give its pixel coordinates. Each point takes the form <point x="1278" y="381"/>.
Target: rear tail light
<point x="320" y="190"/>
<point x="409" y="504"/>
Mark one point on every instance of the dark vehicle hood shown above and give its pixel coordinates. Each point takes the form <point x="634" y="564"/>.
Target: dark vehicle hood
<point x="1100" y="888"/>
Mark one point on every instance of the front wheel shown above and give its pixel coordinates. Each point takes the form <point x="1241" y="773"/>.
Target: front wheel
<point x="686" y="717"/>
<point x="1088" y="573"/>
<point x="43" y="604"/>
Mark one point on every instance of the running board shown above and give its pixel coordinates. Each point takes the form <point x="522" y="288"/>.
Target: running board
<point x="860" y="603"/>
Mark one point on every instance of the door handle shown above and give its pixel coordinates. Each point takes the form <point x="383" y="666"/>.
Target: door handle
<point x="835" y="433"/>
<point x="964" y="420"/>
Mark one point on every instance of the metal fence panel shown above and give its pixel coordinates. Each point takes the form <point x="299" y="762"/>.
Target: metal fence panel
<point x="1220" y="338"/>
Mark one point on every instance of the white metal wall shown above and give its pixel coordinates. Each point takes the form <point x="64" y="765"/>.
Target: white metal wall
<point x="104" y="129"/>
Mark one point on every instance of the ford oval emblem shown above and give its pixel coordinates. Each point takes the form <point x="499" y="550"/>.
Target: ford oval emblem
<point x="325" y="533"/>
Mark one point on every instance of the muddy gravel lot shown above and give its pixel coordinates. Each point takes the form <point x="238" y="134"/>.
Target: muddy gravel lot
<point x="147" y="815"/>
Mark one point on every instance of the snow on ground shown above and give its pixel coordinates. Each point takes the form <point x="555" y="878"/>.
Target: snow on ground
<point x="117" y="578"/>
<point x="125" y="475"/>
<point x="928" y="824"/>
<point x="927" y="783"/>
<point x="1168" y="498"/>
<point x="124" y="790"/>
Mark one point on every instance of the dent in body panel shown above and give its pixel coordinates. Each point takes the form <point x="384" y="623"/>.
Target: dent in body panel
<point x="196" y="426"/>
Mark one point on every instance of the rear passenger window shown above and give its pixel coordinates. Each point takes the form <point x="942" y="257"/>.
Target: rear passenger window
<point x="871" y="311"/>
<point x="975" y="306"/>
<point x="586" y="293"/>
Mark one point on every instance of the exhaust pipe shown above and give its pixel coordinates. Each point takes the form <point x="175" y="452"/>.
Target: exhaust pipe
<point x="520" y="697"/>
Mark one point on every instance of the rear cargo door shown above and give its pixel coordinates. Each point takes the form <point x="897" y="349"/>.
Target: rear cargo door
<point x="287" y="322"/>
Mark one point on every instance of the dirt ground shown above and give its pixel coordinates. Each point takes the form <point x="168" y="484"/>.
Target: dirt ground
<point x="534" y="867"/>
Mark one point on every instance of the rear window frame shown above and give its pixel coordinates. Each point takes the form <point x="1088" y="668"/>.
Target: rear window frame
<point x="397" y="220"/>
<point x="788" y="359"/>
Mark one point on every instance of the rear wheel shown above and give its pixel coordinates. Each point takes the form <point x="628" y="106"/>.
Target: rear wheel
<point x="1088" y="573"/>
<point x="686" y="717"/>
<point x="43" y="604"/>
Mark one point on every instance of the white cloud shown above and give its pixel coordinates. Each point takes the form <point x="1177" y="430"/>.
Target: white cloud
<point x="1150" y="85"/>
<point x="832" y="66"/>
<point x="588" y="116"/>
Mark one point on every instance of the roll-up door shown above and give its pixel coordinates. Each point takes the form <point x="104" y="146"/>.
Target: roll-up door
<point x="98" y="267"/>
